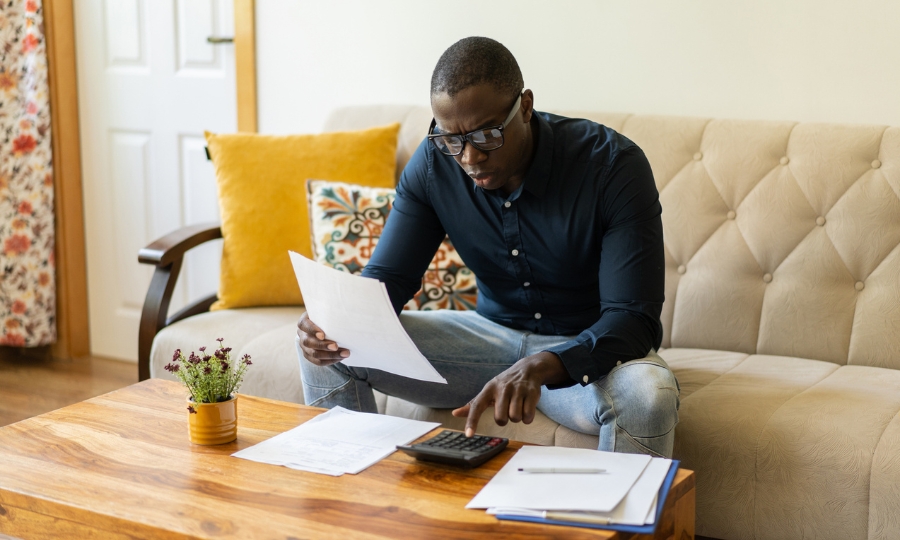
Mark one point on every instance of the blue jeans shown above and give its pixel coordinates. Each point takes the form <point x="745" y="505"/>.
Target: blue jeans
<point x="633" y="409"/>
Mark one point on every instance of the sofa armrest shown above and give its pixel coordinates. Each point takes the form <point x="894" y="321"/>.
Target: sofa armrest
<point x="167" y="254"/>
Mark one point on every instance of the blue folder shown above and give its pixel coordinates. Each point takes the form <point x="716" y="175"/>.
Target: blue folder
<point x="640" y="529"/>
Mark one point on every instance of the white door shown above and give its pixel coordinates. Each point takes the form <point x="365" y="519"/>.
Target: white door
<point x="149" y="84"/>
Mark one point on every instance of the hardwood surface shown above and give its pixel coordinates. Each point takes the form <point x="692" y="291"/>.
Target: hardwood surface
<point x="33" y="383"/>
<point x="120" y="465"/>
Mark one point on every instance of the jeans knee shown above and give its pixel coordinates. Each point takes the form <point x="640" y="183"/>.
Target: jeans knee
<point x="647" y="402"/>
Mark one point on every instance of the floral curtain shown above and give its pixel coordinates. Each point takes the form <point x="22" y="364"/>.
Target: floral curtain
<point x="27" y="285"/>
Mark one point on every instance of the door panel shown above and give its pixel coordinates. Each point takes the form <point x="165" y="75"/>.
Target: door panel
<point x="149" y="85"/>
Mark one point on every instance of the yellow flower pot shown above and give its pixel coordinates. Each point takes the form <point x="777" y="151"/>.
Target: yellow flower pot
<point x="213" y="423"/>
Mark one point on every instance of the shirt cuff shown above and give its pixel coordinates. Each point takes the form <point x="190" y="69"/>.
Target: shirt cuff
<point x="580" y="363"/>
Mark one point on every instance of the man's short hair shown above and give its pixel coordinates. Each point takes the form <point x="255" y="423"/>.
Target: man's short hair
<point x="476" y="60"/>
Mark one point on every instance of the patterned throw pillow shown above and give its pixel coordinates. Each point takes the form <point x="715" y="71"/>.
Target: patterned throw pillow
<point x="346" y="221"/>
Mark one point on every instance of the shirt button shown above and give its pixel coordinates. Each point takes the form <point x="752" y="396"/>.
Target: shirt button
<point x="507" y="204"/>
<point x="619" y="363"/>
<point x="515" y="253"/>
<point x="527" y="284"/>
<point x="537" y="315"/>
<point x="585" y="379"/>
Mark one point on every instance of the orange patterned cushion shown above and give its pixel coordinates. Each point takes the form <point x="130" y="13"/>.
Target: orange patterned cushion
<point x="346" y="221"/>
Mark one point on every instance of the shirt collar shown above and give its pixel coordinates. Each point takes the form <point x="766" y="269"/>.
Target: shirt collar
<point x="539" y="172"/>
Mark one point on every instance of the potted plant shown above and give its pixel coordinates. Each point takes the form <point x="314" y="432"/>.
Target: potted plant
<point x="213" y="381"/>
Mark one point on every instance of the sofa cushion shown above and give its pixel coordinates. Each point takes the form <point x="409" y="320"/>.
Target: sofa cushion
<point x="784" y="446"/>
<point x="346" y="221"/>
<point x="262" y="202"/>
<point x="815" y="464"/>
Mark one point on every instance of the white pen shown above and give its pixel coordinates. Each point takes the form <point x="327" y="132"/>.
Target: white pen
<point x="560" y="470"/>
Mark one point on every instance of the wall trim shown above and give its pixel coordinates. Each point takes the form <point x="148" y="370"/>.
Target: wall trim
<point x="245" y="64"/>
<point x="73" y="336"/>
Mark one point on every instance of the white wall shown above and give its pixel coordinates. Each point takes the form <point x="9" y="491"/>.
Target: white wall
<point x="805" y="60"/>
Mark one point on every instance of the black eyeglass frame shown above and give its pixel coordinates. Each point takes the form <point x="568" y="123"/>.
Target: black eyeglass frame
<point x="466" y="138"/>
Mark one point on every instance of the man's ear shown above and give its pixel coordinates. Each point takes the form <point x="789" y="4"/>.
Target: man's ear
<point x="527" y="105"/>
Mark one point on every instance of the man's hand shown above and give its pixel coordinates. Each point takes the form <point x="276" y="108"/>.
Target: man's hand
<point x="515" y="392"/>
<point x="315" y="347"/>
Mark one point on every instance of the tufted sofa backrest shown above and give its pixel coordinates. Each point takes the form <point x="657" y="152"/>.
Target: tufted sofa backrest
<point x="781" y="238"/>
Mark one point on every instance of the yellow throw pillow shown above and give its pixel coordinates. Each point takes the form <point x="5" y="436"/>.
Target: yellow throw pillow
<point x="262" y="201"/>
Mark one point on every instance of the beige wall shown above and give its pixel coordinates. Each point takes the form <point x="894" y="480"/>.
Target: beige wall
<point x="805" y="60"/>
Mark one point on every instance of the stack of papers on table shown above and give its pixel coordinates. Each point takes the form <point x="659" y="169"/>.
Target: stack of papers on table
<point x="627" y="496"/>
<point x="338" y="441"/>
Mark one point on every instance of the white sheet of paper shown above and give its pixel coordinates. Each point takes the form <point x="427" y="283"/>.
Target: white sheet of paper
<point x="338" y="441"/>
<point x="637" y="508"/>
<point x="356" y="313"/>
<point x="651" y="513"/>
<point x="581" y="492"/>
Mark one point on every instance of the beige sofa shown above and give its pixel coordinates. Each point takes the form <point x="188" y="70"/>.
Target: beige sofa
<point x="782" y="319"/>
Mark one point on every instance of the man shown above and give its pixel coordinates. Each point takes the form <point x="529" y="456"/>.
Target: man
<point x="559" y="219"/>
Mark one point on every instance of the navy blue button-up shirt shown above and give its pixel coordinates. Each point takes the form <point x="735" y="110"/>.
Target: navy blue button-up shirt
<point x="576" y="250"/>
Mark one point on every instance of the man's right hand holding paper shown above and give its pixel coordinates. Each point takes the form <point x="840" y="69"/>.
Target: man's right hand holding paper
<point x="315" y="347"/>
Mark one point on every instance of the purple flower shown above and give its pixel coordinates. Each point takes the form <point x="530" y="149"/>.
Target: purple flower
<point x="246" y="359"/>
<point x="202" y="349"/>
<point x="194" y="359"/>
<point x="172" y="367"/>
<point x="207" y="370"/>
<point x="224" y="367"/>
<point x="220" y="340"/>
<point x="206" y="358"/>
<point x="176" y="355"/>
<point x="191" y="409"/>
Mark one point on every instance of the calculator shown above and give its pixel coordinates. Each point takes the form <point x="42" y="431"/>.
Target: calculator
<point x="454" y="448"/>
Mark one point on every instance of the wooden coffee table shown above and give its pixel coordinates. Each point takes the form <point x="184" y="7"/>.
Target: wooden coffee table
<point x="121" y="466"/>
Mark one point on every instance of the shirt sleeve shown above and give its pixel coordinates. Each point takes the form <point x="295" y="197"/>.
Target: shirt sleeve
<point x="632" y="275"/>
<point x="411" y="235"/>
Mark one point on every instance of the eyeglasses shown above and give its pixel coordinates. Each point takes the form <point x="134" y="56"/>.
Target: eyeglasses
<point x="486" y="139"/>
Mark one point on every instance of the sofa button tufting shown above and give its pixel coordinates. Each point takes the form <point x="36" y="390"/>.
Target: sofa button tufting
<point x="731" y="214"/>
<point x="820" y="221"/>
<point x="859" y="286"/>
<point x="698" y="156"/>
<point x="876" y="164"/>
<point x="767" y="277"/>
<point x="681" y="269"/>
<point x="585" y="379"/>
<point x="784" y="160"/>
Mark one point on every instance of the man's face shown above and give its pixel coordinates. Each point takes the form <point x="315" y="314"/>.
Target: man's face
<point x="484" y="106"/>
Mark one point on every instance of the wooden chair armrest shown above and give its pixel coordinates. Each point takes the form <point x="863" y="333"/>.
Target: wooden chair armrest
<point x="167" y="255"/>
<point x="164" y="251"/>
